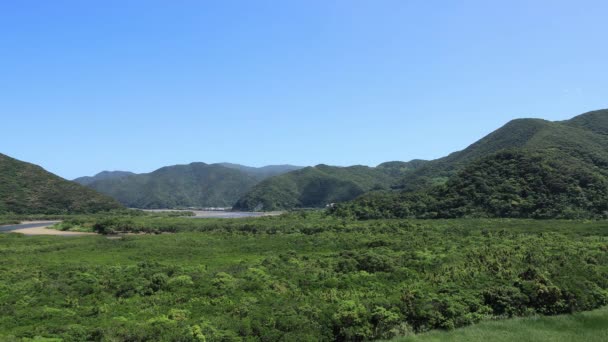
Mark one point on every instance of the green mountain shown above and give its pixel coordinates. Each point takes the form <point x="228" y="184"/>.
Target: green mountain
<point x="101" y="176"/>
<point x="28" y="189"/>
<point x="182" y="186"/>
<point x="527" y="168"/>
<point x="572" y="137"/>
<point x="322" y="184"/>
<point x="264" y="171"/>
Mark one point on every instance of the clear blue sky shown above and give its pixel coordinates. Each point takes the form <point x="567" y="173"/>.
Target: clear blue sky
<point x="87" y="86"/>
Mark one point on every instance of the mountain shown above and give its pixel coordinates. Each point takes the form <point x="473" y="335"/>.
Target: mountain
<point x="28" y="189"/>
<point x="527" y="168"/>
<point x="101" y="176"/>
<point x="574" y="137"/>
<point x="322" y="184"/>
<point x="264" y="171"/>
<point x="181" y="186"/>
<point x="596" y="121"/>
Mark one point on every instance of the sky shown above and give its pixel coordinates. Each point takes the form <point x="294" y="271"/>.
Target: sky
<point x="87" y="86"/>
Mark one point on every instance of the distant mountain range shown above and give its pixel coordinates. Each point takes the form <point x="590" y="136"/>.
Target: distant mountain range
<point x="527" y="168"/>
<point x="28" y="189"/>
<point x="182" y="186"/>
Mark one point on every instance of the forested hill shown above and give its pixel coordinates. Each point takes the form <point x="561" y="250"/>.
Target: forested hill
<point x="322" y="184"/>
<point x="527" y="168"/>
<point x="579" y="136"/>
<point x="28" y="189"/>
<point x="192" y="185"/>
<point x="101" y="176"/>
<point x="264" y="171"/>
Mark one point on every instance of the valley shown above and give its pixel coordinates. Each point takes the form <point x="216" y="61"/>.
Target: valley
<point x="509" y="232"/>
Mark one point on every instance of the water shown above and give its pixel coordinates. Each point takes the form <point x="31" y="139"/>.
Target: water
<point x="218" y="213"/>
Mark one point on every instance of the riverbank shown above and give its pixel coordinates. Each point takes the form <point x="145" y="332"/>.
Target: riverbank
<point x="38" y="228"/>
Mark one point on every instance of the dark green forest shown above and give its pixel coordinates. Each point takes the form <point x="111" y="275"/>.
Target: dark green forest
<point x="315" y="187"/>
<point x="303" y="276"/>
<point x="515" y="183"/>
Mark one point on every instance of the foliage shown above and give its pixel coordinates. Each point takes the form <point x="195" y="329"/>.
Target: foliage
<point x="29" y="189"/>
<point x="103" y="175"/>
<point x="582" y="137"/>
<point x="512" y="183"/>
<point x="302" y="276"/>
<point x="582" y="140"/>
<point x="317" y="186"/>
<point x="184" y="186"/>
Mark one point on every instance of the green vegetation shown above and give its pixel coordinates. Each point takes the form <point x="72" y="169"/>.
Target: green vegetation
<point x="512" y="183"/>
<point x="183" y="186"/>
<point x="586" y="326"/>
<point x="582" y="142"/>
<point x="578" y="137"/>
<point x="103" y="175"/>
<point x="264" y="171"/>
<point x="362" y="270"/>
<point x="315" y="187"/>
<point x="528" y="168"/>
<point x="302" y="276"/>
<point x="26" y="188"/>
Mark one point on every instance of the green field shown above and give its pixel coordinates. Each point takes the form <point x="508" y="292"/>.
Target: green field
<point x="585" y="326"/>
<point x="302" y="276"/>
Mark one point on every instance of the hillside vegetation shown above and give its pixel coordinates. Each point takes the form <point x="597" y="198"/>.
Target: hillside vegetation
<point x="322" y="184"/>
<point x="192" y="185"/>
<point x="512" y="183"/>
<point x="573" y="137"/>
<point x="103" y="175"/>
<point x="263" y="172"/>
<point x="28" y="189"/>
<point x="182" y="186"/>
<point x="528" y="168"/>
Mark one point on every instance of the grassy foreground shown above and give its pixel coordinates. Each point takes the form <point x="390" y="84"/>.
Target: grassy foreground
<point x="589" y="326"/>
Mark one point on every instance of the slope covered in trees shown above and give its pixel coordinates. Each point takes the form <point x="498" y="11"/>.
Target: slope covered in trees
<point x="28" y="189"/>
<point x="263" y="172"/>
<point x="192" y="185"/>
<point x="322" y="184"/>
<point x="511" y="183"/>
<point x="527" y="168"/>
<point x="86" y="180"/>
<point x="577" y="137"/>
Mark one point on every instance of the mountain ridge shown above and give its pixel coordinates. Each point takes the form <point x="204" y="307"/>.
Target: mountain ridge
<point x="317" y="186"/>
<point x="196" y="184"/>
<point x="526" y="168"/>
<point x="26" y="188"/>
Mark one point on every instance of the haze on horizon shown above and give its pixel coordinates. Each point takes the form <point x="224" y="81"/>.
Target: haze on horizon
<point x="135" y="86"/>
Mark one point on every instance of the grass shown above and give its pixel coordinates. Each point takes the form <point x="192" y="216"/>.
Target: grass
<point x="584" y="326"/>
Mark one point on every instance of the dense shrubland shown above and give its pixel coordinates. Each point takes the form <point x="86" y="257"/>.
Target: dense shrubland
<point x="301" y="276"/>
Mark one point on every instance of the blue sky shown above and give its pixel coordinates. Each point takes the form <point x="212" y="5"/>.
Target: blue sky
<point x="87" y="86"/>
